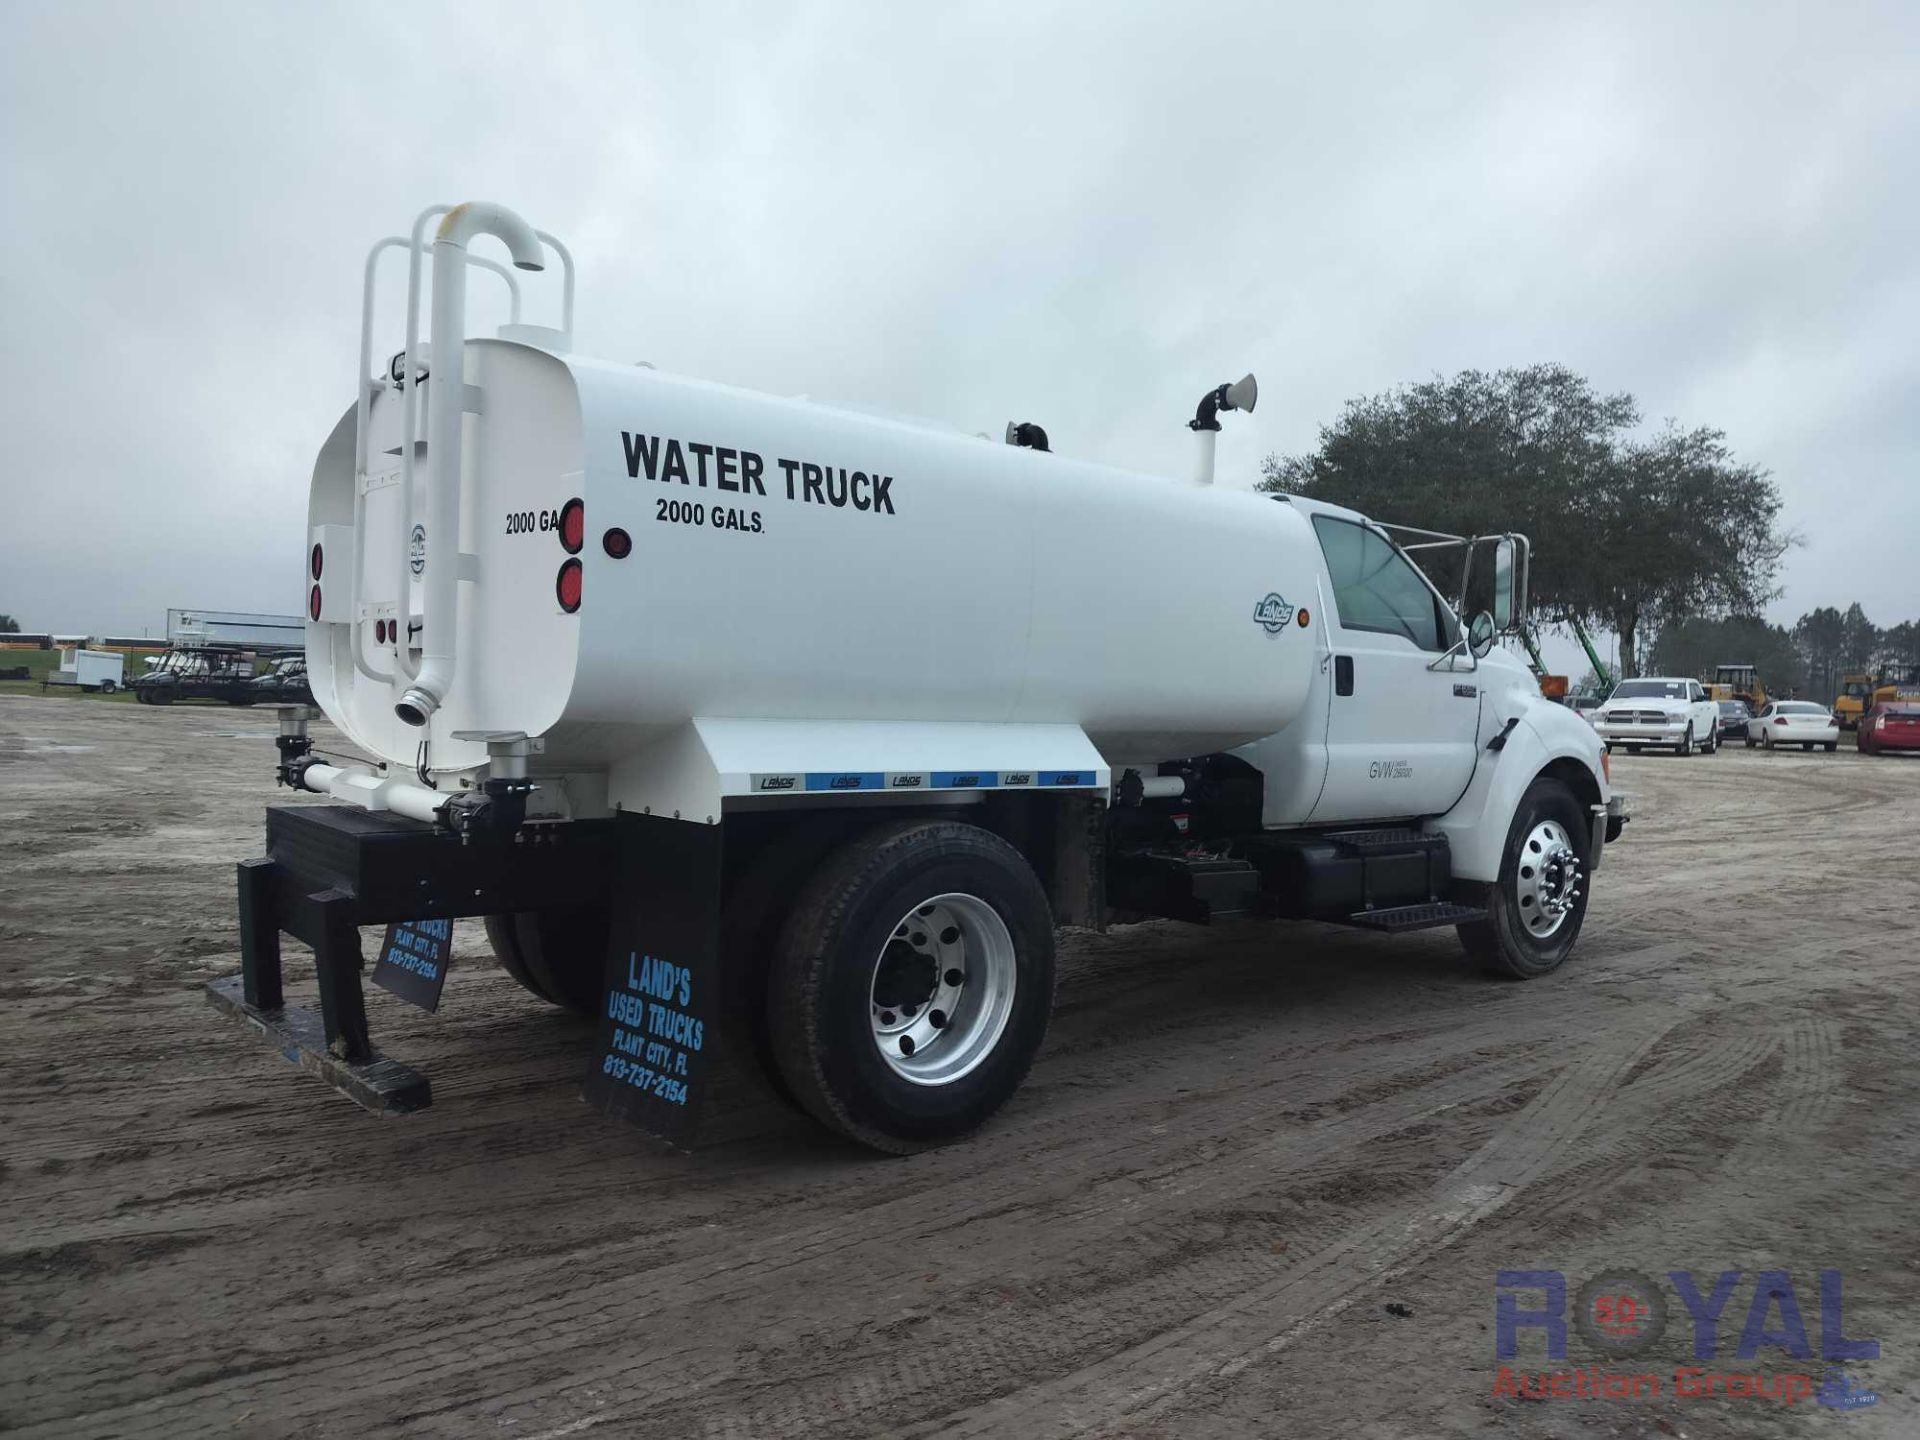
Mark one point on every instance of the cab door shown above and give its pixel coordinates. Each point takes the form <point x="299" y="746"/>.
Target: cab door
<point x="1402" y="735"/>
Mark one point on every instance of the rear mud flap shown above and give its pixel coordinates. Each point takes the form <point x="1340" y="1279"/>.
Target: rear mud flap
<point x="660" y="1016"/>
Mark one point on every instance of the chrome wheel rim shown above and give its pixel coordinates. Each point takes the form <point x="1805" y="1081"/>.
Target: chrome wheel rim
<point x="1546" y="883"/>
<point x="941" y="989"/>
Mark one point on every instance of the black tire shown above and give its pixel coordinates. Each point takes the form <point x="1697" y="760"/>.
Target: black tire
<point x="819" y="997"/>
<point x="161" y="696"/>
<point x="757" y="907"/>
<point x="107" y="687"/>
<point x="1502" y="942"/>
<point x="1832" y="745"/>
<point x="1748" y="739"/>
<point x="560" y="954"/>
<point x="1685" y="747"/>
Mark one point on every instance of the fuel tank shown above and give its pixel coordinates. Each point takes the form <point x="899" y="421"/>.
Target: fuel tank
<point x="637" y="549"/>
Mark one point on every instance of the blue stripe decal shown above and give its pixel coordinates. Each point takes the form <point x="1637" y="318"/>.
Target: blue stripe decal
<point x="1068" y="777"/>
<point x="965" y="779"/>
<point x="845" y="780"/>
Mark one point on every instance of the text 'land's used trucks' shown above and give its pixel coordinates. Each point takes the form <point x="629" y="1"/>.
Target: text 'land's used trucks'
<point x="780" y="738"/>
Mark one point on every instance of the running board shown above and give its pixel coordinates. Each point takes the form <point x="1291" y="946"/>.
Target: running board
<point x="1401" y="918"/>
<point x="377" y="1083"/>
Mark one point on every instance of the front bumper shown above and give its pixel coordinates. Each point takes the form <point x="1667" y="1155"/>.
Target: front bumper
<point x="1614" y="734"/>
<point x="1608" y="821"/>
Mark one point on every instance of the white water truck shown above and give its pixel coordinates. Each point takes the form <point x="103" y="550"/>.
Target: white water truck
<point x="781" y="737"/>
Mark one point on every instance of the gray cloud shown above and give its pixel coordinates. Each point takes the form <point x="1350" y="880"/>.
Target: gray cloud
<point x="1078" y="215"/>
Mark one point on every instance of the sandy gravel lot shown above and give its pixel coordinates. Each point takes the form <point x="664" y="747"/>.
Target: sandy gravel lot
<point x="1261" y="1181"/>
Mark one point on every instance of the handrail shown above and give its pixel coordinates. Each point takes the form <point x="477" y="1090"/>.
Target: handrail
<point x="463" y="223"/>
<point x="552" y="242"/>
<point x="362" y="418"/>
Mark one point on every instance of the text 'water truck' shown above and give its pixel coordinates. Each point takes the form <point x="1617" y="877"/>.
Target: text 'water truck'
<point x="781" y="738"/>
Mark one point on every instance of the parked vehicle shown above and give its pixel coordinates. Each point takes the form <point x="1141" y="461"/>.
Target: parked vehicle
<point x="1794" y="722"/>
<point x="90" y="670"/>
<point x="284" y="684"/>
<point x="1890" y="726"/>
<point x="1585" y="706"/>
<point x="1660" y="712"/>
<point x="1738" y="682"/>
<point x="1856" y="694"/>
<point x="1734" y="716"/>
<point x="781" y="737"/>
<point x="208" y="673"/>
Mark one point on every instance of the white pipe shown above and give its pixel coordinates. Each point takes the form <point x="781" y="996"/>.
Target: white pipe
<point x="1203" y="456"/>
<point x="552" y="242"/>
<point x="1162" y="787"/>
<point x="444" y="416"/>
<point x="371" y="792"/>
<point x="409" y="431"/>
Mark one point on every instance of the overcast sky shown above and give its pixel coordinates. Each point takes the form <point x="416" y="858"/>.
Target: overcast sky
<point x="1079" y="215"/>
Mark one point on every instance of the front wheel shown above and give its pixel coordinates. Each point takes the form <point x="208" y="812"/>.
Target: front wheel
<point x="912" y="984"/>
<point x="1685" y="747"/>
<point x="1535" y="909"/>
<point x="1832" y="745"/>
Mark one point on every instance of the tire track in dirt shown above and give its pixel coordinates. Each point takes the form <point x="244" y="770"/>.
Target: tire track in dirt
<point x="1132" y="1385"/>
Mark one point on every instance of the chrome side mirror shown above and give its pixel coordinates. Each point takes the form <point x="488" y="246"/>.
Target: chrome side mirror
<point x="1480" y="633"/>
<point x="1503" y="587"/>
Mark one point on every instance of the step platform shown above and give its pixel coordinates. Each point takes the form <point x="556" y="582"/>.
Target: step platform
<point x="1397" y="919"/>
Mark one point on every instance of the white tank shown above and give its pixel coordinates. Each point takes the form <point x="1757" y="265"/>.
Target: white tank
<point x="791" y="561"/>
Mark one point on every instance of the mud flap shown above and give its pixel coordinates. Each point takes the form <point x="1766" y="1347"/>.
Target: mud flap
<point x="659" y="1056"/>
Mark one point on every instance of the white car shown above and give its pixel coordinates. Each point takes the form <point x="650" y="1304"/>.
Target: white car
<point x="1661" y="712"/>
<point x="1794" y="722"/>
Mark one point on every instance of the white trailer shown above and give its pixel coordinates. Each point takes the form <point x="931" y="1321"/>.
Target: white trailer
<point x="781" y="737"/>
<point x="90" y="670"/>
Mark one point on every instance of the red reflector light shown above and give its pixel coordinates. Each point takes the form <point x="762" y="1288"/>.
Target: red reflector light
<point x="567" y="587"/>
<point x="316" y="560"/>
<point x="313" y="603"/>
<point x="617" y="543"/>
<point x="573" y="526"/>
<point x="380" y="632"/>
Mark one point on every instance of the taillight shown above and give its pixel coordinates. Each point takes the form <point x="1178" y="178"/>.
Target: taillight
<point x="313" y="604"/>
<point x="573" y="526"/>
<point x="617" y="543"/>
<point x="1779" y="719"/>
<point x="316" y="560"/>
<point x="566" y="587"/>
<point x="380" y="632"/>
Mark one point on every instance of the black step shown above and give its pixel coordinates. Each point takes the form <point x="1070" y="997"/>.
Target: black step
<point x="1396" y="838"/>
<point x="1399" y="918"/>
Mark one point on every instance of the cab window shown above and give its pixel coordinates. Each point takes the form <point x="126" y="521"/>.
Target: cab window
<point x="1377" y="588"/>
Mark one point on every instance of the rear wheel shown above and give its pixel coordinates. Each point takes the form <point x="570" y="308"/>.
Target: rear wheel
<point x="912" y="984"/>
<point x="560" y="954"/>
<point x="1832" y="745"/>
<point x="1535" y="909"/>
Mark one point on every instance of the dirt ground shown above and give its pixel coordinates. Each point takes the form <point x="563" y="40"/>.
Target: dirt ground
<point x="1261" y="1181"/>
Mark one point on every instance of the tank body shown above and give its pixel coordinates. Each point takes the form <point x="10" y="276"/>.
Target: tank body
<point x="791" y="561"/>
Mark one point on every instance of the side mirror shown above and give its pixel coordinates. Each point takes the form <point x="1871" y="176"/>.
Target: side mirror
<point x="1503" y="587"/>
<point x="1480" y="633"/>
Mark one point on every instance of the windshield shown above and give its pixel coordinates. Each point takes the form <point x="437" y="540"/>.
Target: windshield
<point x="1732" y="707"/>
<point x="1650" y="690"/>
<point x="1858" y="688"/>
<point x="1797" y="708"/>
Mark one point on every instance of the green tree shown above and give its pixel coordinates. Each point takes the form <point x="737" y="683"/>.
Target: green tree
<point x="1900" y="645"/>
<point x="1818" y="635"/>
<point x="1859" y="639"/>
<point x="1628" y="535"/>
<point x="1697" y="647"/>
<point x="9" y="625"/>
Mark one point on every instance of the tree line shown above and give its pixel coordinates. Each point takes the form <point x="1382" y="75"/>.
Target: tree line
<point x="1633" y="532"/>
<point x="1811" y="658"/>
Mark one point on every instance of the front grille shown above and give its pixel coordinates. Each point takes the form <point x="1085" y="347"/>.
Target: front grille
<point x="1637" y="717"/>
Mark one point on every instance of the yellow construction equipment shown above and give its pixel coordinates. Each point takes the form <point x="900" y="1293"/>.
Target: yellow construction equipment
<point x="1856" y="694"/>
<point x="1738" y="682"/>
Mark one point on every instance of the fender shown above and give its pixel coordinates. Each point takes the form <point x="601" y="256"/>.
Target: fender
<point x="1549" y="738"/>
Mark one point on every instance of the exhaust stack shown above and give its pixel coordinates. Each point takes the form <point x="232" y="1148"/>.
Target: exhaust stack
<point x="1240" y="395"/>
